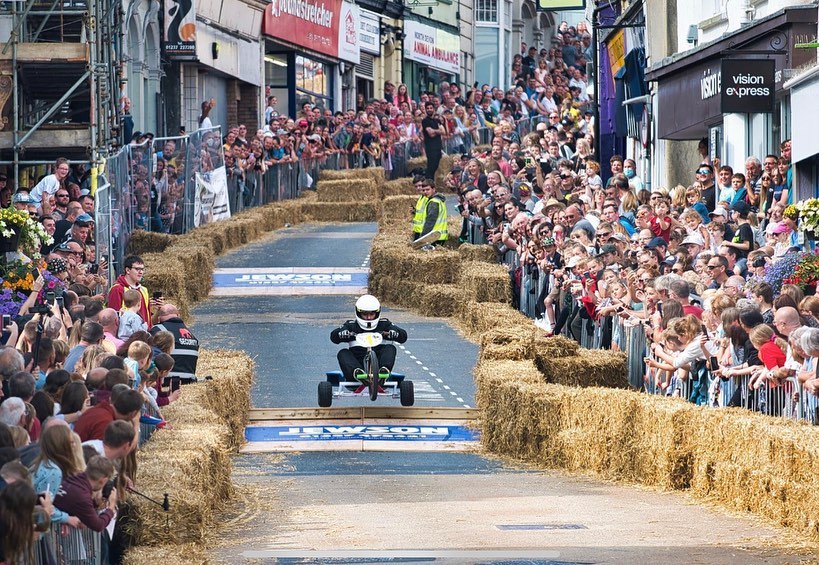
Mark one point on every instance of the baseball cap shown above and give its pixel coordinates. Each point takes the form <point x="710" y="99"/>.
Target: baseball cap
<point x="620" y="237"/>
<point x="694" y="239"/>
<point x="719" y="211"/>
<point x="84" y="218"/>
<point x="302" y="123"/>
<point x="656" y="242"/>
<point x="573" y="262"/>
<point x="21" y="198"/>
<point x="607" y="248"/>
<point x="741" y="207"/>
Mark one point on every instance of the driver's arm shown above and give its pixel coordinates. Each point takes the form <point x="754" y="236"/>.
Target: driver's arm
<point x="402" y="333"/>
<point x="336" y="335"/>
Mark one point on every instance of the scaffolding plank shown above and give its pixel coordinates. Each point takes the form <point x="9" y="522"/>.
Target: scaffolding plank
<point x="48" y="52"/>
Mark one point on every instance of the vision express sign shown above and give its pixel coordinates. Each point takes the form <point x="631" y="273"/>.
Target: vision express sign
<point x="747" y="86"/>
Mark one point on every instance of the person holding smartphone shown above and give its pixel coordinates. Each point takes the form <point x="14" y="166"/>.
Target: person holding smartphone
<point x="131" y="278"/>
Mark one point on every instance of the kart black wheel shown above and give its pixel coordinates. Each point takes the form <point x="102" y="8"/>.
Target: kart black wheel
<point x="325" y="394"/>
<point x="406" y="391"/>
<point x="371" y="364"/>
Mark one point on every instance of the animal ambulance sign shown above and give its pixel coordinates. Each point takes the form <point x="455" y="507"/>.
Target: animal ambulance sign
<point x="748" y="86"/>
<point x="330" y="27"/>
<point x="432" y="47"/>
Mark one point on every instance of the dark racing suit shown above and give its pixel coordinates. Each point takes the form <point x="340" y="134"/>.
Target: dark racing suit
<point x="352" y="358"/>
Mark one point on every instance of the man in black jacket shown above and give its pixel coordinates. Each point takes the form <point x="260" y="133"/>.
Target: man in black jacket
<point x="367" y="320"/>
<point x="185" y="345"/>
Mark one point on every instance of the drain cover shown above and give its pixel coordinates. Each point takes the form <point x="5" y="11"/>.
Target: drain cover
<point x="541" y="527"/>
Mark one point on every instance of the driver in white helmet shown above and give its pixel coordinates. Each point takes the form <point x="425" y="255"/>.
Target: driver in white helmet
<point x="367" y="319"/>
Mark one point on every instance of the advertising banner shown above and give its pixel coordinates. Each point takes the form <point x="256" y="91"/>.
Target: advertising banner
<point x="324" y="26"/>
<point x="369" y="32"/>
<point x="211" y="203"/>
<point x="180" y="29"/>
<point x="433" y="47"/>
<point x="748" y="86"/>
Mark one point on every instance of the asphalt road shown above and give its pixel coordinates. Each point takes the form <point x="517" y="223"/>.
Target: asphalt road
<point x="409" y="506"/>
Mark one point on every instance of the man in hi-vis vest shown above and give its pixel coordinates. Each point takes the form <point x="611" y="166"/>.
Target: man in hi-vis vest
<point x="433" y="217"/>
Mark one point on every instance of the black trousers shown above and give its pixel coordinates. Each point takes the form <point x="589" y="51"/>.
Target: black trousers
<point x="433" y="158"/>
<point x="353" y="358"/>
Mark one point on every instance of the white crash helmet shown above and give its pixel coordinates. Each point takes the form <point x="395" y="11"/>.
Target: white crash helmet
<point x="367" y="312"/>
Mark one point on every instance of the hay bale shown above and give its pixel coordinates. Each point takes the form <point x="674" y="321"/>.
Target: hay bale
<point x="438" y="300"/>
<point x="397" y="211"/>
<point x="439" y="266"/>
<point x="339" y="211"/>
<point x="486" y="282"/>
<point x="399" y="187"/>
<point x="477" y="318"/>
<point x="183" y="554"/>
<point x="228" y="393"/>
<point x="587" y="368"/>
<point x="165" y="272"/>
<point x="198" y="263"/>
<point x="417" y="163"/>
<point x="142" y="242"/>
<point x="374" y="173"/>
<point x="348" y="190"/>
<point x="393" y="291"/>
<point x="444" y="168"/>
<point x="477" y="253"/>
<point x="508" y="342"/>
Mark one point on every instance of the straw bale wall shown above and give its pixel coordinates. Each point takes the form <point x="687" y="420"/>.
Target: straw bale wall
<point x="190" y="460"/>
<point x="743" y="461"/>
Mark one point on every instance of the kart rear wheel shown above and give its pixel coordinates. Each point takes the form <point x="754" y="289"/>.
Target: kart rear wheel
<point x="371" y="364"/>
<point x="325" y="394"/>
<point x="406" y="391"/>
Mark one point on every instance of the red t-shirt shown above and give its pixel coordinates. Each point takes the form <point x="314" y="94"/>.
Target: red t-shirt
<point x="771" y="356"/>
<point x="654" y="222"/>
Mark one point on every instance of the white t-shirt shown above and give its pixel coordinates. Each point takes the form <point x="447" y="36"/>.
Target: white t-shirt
<point x="206" y="123"/>
<point x="97" y="445"/>
<point x="48" y="185"/>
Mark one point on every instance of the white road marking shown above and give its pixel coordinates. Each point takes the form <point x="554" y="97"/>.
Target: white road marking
<point x="425" y="368"/>
<point x="459" y="399"/>
<point x="431" y="374"/>
<point x="453" y="393"/>
<point x="413" y="357"/>
<point x="446" y="387"/>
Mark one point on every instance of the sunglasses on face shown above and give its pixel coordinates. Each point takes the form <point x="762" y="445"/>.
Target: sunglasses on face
<point x="703" y="172"/>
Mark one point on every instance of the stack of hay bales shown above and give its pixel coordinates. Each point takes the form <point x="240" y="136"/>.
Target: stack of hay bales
<point x="347" y="199"/>
<point x="190" y="460"/>
<point x="741" y="460"/>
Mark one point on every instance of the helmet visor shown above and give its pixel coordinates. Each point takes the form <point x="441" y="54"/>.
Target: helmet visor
<point x="368" y="315"/>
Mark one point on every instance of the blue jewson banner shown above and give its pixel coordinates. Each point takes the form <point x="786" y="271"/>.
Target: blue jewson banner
<point x="401" y="432"/>
<point x="289" y="279"/>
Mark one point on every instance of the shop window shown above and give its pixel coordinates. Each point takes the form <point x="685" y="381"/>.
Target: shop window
<point x="275" y="76"/>
<point x="486" y="11"/>
<point x="486" y="55"/>
<point x="312" y="83"/>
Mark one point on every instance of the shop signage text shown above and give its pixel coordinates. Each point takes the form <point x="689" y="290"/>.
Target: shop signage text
<point x="433" y="47"/>
<point x="710" y="85"/>
<point x="180" y="29"/>
<point x="748" y="87"/>
<point x="325" y="26"/>
<point x="369" y="32"/>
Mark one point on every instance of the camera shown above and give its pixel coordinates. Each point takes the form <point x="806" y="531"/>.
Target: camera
<point x="108" y="488"/>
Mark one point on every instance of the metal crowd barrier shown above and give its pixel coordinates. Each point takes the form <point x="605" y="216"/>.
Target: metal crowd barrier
<point x="80" y="546"/>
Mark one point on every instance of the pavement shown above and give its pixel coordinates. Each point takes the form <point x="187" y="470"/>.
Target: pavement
<point x="411" y="505"/>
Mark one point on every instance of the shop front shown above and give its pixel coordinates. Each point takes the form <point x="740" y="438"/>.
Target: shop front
<point x="804" y="141"/>
<point x="431" y="56"/>
<point x="731" y="92"/>
<point x="311" y="48"/>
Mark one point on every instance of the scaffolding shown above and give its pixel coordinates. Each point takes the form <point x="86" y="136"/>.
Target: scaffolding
<point x="64" y="61"/>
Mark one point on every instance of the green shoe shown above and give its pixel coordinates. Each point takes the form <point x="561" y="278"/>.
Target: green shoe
<point x="359" y="374"/>
<point x="384" y="373"/>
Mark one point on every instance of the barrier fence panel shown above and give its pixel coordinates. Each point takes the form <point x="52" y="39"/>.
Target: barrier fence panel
<point x="140" y="170"/>
<point x="102" y="230"/>
<point x="120" y="207"/>
<point x="170" y="158"/>
<point x="206" y="190"/>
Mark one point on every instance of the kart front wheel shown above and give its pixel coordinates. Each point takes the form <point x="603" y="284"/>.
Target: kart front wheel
<point x="406" y="391"/>
<point x="325" y="394"/>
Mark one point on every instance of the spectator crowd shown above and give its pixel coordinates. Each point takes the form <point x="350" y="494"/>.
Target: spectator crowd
<point x="85" y="371"/>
